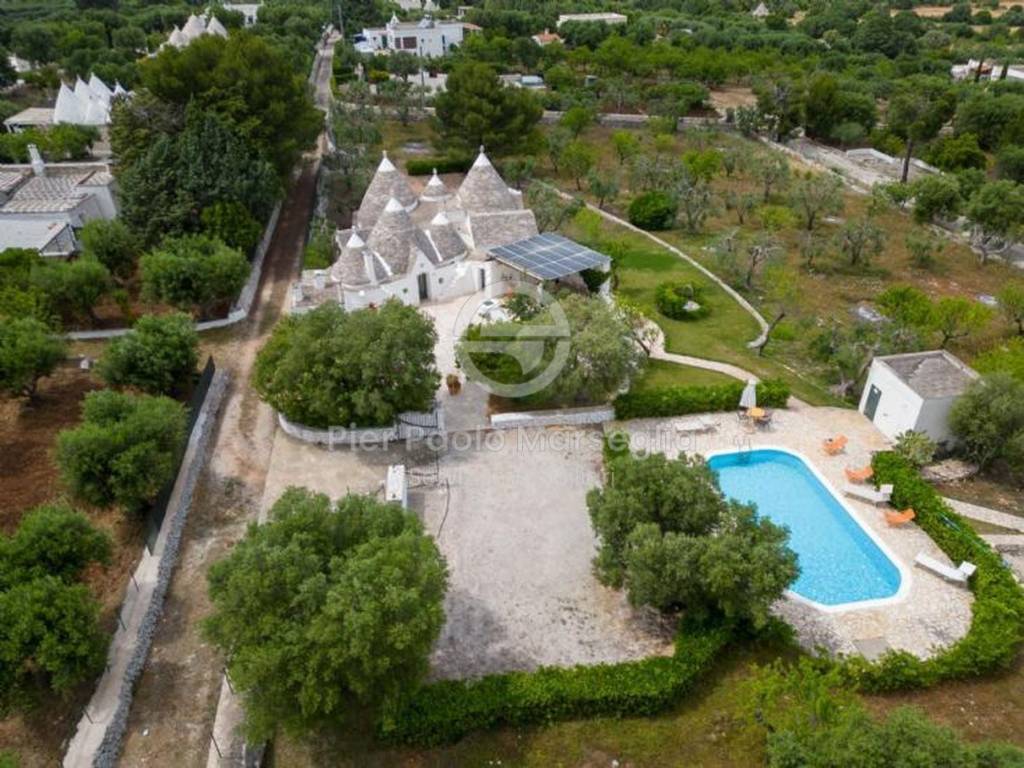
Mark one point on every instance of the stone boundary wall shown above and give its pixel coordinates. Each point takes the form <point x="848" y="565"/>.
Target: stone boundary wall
<point x="239" y="309"/>
<point x="554" y="418"/>
<point x="156" y="568"/>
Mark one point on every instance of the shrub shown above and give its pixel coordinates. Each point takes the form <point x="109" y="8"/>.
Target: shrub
<point x="232" y="223"/>
<point x="72" y="288"/>
<point x="916" y="448"/>
<point x="935" y="197"/>
<point x="125" y="449"/>
<point x="193" y="273"/>
<point x="445" y="711"/>
<point x="987" y="415"/>
<point x="997" y="623"/>
<point x="653" y="210"/>
<point x="678" y="401"/>
<point x="422" y="166"/>
<point x="157" y="356"/>
<point x="112" y="244"/>
<point x="330" y="367"/>
<point x="29" y="350"/>
<point x="681" y="301"/>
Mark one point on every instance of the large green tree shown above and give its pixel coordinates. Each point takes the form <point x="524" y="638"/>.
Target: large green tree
<point x="477" y="109"/>
<point x="124" y="450"/>
<point x="157" y="356"/>
<point x="988" y="420"/>
<point x="326" y="608"/>
<point x="667" y="533"/>
<point x="193" y="272"/>
<point x="330" y="367"/>
<point x="248" y="83"/>
<point x="29" y="350"/>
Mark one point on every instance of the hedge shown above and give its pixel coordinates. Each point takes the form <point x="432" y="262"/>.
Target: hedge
<point x="672" y="299"/>
<point x="422" y="166"/>
<point x="678" y="401"/>
<point x="653" y="210"/>
<point x="997" y="624"/>
<point x="445" y="711"/>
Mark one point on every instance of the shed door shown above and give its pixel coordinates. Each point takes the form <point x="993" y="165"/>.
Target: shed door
<point x="874" y="395"/>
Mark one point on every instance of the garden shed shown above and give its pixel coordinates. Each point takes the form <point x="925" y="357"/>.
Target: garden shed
<point x="915" y="391"/>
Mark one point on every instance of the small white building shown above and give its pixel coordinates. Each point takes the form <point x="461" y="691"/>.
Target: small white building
<point x="915" y="391"/>
<point x="425" y="37"/>
<point x="87" y="103"/>
<point x="607" y="18"/>
<point x="426" y="6"/>
<point x="761" y="11"/>
<point x="250" y="11"/>
<point x="194" y="28"/>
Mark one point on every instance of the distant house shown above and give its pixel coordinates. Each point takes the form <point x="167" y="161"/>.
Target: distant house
<point x="607" y="18"/>
<point x="440" y="244"/>
<point x="427" y="6"/>
<point x="42" y="205"/>
<point x="915" y="392"/>
<point x="250" y="11"/>
<point x="194" y="28"/>
<point x="546" y="38"/>
<point x="425" y="37"/>
<point x="761" y="11"/>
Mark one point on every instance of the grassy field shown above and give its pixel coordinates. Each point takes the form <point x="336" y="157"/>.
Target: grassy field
<point x="661" y="373"/>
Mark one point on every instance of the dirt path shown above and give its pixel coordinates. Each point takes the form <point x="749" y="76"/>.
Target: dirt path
<point x="176" y="697"/>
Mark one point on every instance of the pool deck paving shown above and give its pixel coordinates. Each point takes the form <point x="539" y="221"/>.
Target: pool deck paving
<point x="928" y="614"/>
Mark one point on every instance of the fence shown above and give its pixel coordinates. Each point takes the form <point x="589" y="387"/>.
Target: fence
<point x="155" y="517"/>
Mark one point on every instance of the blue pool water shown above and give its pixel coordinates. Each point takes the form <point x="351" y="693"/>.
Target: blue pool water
<point x="839" y="562"/>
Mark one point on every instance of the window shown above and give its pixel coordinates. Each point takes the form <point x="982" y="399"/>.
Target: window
<point x="409" y="43"/>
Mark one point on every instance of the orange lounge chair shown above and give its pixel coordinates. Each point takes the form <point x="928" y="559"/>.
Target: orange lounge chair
<point x="835" y="445"/>
<point x="861" y="475"/>
<point x="899" y="518"/>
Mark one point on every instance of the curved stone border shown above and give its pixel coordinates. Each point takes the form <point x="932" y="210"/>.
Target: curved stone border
<point x="762" y="323"/>
<point x="97" y="740"/>
<point x="240" y="307"/>
<point x="409" y="425"/>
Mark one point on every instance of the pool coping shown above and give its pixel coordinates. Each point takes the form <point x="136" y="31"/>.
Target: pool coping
<point x="906" y="576"/>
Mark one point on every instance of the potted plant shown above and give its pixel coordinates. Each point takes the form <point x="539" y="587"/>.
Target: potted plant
<point x="454" y="383"/>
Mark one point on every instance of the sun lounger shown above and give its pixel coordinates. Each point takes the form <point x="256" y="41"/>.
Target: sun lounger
<point x="835" y="445"/>
<point x="958" y="575"/>
<point x="900" y="518"/>
<point x="695" y="424"/>
<point x="861" y="475"/>
<point x="869" y="494"/>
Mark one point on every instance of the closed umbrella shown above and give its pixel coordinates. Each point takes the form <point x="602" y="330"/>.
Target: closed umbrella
<point x="748" y="399"/>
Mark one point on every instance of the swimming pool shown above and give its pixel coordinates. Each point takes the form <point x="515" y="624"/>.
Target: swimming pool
<point x="840" y="563"/>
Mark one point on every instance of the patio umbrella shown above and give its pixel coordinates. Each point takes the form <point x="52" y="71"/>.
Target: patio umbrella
<point x="748" y="399"/>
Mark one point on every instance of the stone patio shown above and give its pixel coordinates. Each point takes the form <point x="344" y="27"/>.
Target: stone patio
<point x="931" y="614"/>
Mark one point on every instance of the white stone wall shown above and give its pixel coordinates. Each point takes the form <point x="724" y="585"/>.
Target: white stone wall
<point x="899" y="407"/>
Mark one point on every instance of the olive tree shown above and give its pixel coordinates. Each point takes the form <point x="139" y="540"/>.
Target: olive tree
<point x="668" y="534"/>
<point x="326" y="607"/>
<point x="330" y="367"/>
<point x="157" y="356"/>
<point x="193" y="273"/>
<point x="29" y="350"/>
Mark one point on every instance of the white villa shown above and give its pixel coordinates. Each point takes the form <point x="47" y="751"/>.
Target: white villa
<point x="88" y="103"/>
<point x="607" y="17"/>
<point x="439" y="244"/>
<point x="425" y="37"/>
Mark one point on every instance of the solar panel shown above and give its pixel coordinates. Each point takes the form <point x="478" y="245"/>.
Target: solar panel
<point x="549" y="256"/>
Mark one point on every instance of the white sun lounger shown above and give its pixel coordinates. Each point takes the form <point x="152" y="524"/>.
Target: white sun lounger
<point x="695" y="424"/>
<point x="869" y="494"/>
<point x="958" y="575"/>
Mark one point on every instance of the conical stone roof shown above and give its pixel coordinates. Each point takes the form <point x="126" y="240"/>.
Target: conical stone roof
<point x="484" y="191"/>
<point x="435" y="190"/>
<point x="350" y="268"/>
<point x="392" y="236"/>
<point x="387" y="183"/>
<point x="446" y="240"/>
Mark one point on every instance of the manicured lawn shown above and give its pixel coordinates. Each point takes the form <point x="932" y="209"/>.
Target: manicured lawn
<point x="661" y="373"/>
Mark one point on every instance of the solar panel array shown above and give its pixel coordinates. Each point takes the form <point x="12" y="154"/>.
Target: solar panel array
<point x="548" y="256"/>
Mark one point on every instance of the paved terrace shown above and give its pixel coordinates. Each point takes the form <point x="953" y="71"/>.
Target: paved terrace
<point x="933" y="612"/>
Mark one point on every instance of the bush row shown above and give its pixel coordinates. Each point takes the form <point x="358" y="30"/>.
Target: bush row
<point x="422" y="166"/>
<point x="678" y="401"/>
<point x="445" y="711"/>
<point x="997" y="623"/>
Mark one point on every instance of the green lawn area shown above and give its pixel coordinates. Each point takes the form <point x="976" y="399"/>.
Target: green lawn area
<point x="723" y="335"/>
<point x="661" y="373"/>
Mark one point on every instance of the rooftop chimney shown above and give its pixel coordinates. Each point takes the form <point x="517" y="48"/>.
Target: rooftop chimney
<point x="38" y="166"/>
